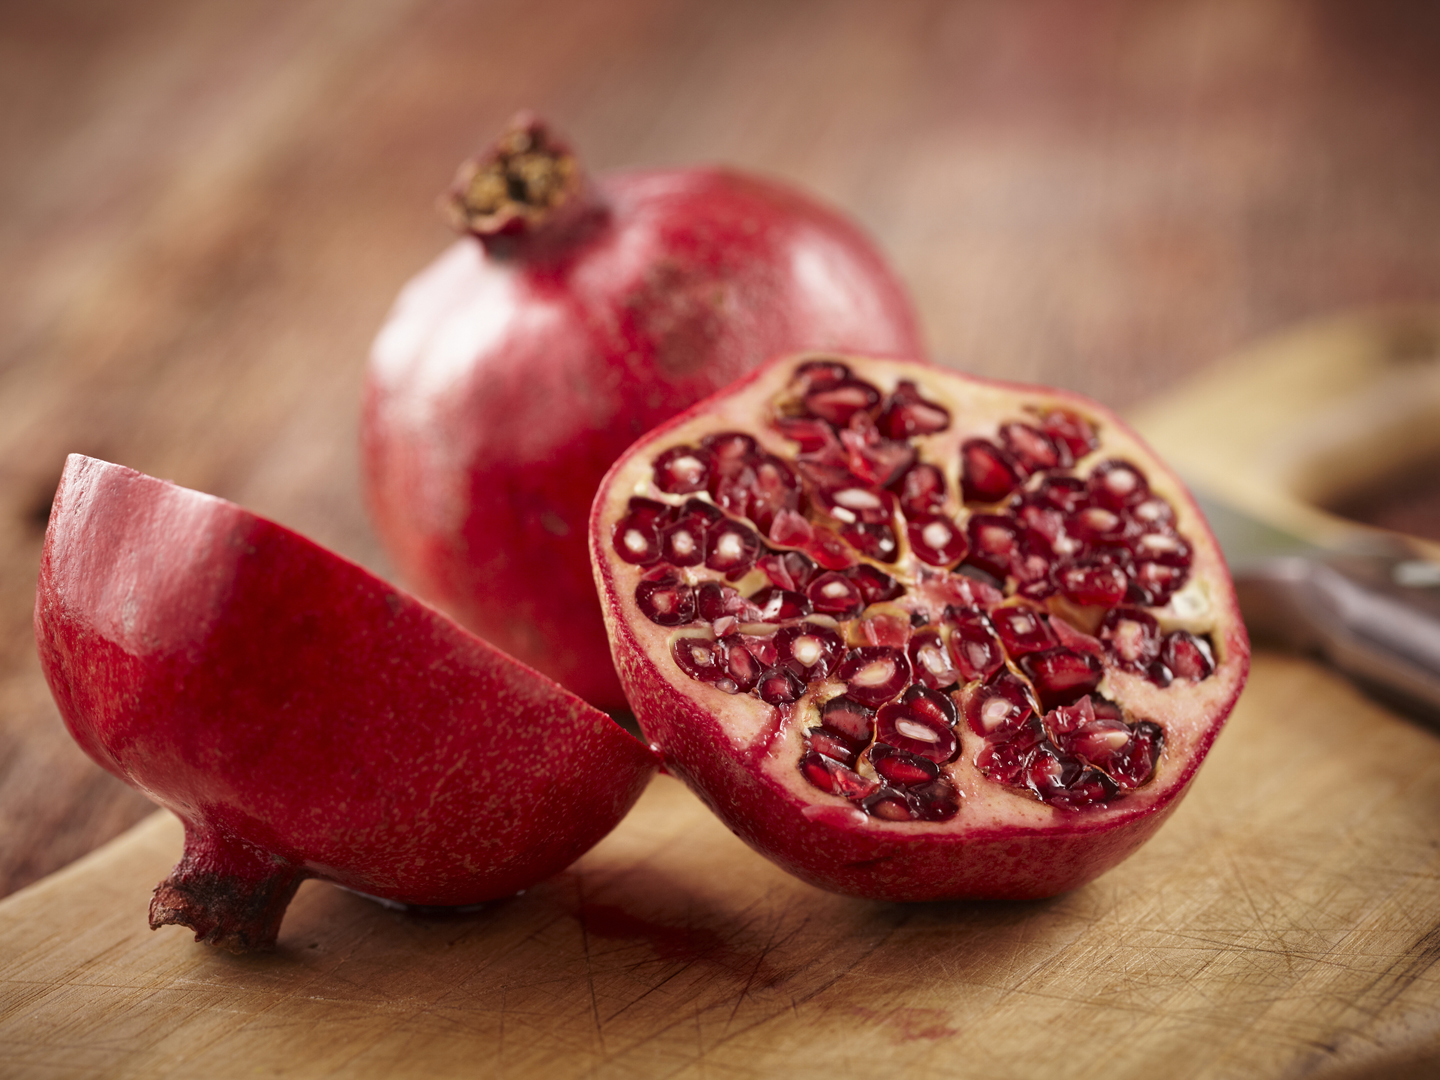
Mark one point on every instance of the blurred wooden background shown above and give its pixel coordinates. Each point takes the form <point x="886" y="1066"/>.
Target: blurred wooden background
<point x="205" y="210"/>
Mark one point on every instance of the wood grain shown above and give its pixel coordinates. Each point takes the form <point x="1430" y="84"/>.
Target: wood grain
<point x="1285" y="923"/>
<point x="205" y="210"/>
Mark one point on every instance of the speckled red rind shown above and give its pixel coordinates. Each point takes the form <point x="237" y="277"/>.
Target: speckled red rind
<point x="1002" y="844"/>
<point x="294" y="709"/>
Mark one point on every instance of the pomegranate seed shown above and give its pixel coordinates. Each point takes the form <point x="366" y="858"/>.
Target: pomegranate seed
<point x="1060" y="676"/>
<point x="994" y="543"/>
<point x="731" y="548"/>
<point x="930" y="661"/>
<point x="1000" y="707"/>
<point x="683" y="543"/>
<point x="790" y="529"/>
<point x="665" y="600"/>
<point x="987" y="473"/>
<point x="882" y="629"/>
<point x="922" y="722"/>
<point x="1065" y="494"/>
<point x="1098" y="525"/>
<point x="833" y="745"/>
<point x="741" y="664"/>
<point x="698" y="657"/>
<point x="874" y="674"/>
<point x="1154" y="583"/>
<point x="1135" y="763"/>
<point x="874" y="584"/>
<point x="821" y="374"/>
<point x="1152" y="512"/>
<point x="900" y="768"/>
<point x="815" y="436"/>
<point x="937" y="541"/>
<point x="1161" y="546"/>
<point x="636" y="540"/>
<point x="1066" y="782"/>
<point x="1187" y="656"/>
<point x="1032" y="449"/>
<point x="838" y="402"/>
<point x="788" y="569"/>
<point x="890" y="804"/>
<point x="779" y="686"/>
<point x="1117" y="484"/>
<point x="1131" y="638"/>
<point x="921" y="491"/>
<point x="874" y="459"/>
<point x="1022" y="629"/>
<point x="716" y="601"/>
<point x="939" y="801"/>
<point x="760" y="646"/>
<point x="809" y="649"/>
<point x="834" y="594"/>
<point x="1007" y="759"/>
<point x="683" y="469"/>
<point x="1092" y="583"/>
<point x="829" y="550"/>
<point x="907" y="414"/>
<point x="973" y="645"/>
<point x="780" y="605"/>
<point x="831" y="776"/>
<point x="847" y="717"/>
<point x="1074" y="432"/>
<point x="853" y="502"/>
<point x="776" y="488"/>
<point x="874" y="541"/>
<point x="1100" y="741"/>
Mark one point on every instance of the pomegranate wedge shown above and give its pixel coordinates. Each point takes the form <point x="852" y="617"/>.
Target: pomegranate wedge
<point x="304" y="718"/>
<point x="975" y="642"/>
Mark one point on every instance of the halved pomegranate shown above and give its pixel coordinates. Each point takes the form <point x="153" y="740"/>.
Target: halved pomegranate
<point x="574" y="315"/>
<point x="1038" y="638"/>
<point x="302" y="717"/>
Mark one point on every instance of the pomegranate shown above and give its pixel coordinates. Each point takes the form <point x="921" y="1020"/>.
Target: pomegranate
<point x="302" y="717"/>
<point x="574" y="316"/>
<point x="949" y="637"/>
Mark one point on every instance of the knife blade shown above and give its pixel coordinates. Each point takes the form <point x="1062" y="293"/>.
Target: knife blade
<point x="1371" y="609"/>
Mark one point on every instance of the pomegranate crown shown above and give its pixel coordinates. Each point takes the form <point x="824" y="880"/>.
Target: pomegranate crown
<point x="517" y="185"/>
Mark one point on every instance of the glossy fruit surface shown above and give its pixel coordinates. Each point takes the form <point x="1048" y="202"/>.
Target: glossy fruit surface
<point x="304" y="718"/>
<point x="576" y="315"/>
<point x="948" y="638"/>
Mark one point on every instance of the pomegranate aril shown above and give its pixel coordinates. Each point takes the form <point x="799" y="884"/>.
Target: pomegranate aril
<point x="830" y="775"/>
<point x="994" y="543"/>
<point x="922" y="723"/>
<point x="683" y="543"/>
<point x="853" y="502"/>
<point x="1099" y="525"/>
<point x="731" y="548"/>
<point x="789" y="528"/>
<point x="1153" y="583"/>
<point x="973" y="645"/>
<point x="873" y="541"/>
<point x="1101" y="741"/>
<point x="636" y="540"/>
<point x="698" y="657"/>
<point x="1032" y="449"/>
<point x="835" y="594"/>
<point x="1092" y="583"/>
<point x="892" y="804"/>
<point x="1131" y="638"/>
<point x="814" y="435"/>
<point x="900" y="768"/>
<point x="1161" y="546"/>
<point x="987" y="473"/>
<point x="921" y="491"/>
<point x="787" y="569"/>
<point x="760" y="646"/>
<point x="848" y="718"/>
<point x="930" y="660"/>
<point x="1065" y="494"/>
<point x="1000" y="707"/>
<point x="874" y="584"/>
<point x="840" y="401"/>
<point x="832" y="745"/>
<point x="874" y="674"/>
<point x="729" y="450"/>
<point x="821" y="374"/>
<point x="1117" y="484"/>
<point x="873" y="458"/>
<point x="1133" y="765"/>
<point x="683" y="469"/>
<point x="937" y="541"/>
<point x="883" y="629"/>
<point x="939" y="801"/>
<point x="716" y="601"/>
<point x="1154" y="511"/>
<point x="1061" y="676"/>
<point x="907" y="414"/>
<point x="741" y="664"/>
<point x="1007" y="758"/>
<point x="1022" y="629"/>
<point x="1066" y="782"/>
<point x="779" y="686"/>
<point x="665" y="600"/>
<point x="1187" y="656"/>
<point x="809" y="649"/>
<point x="1074" y="432"/>
<point x="780" y="605"/>
<point x="776" y="488"/>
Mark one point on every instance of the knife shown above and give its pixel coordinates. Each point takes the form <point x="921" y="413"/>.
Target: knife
<point x="1371" y="609"/>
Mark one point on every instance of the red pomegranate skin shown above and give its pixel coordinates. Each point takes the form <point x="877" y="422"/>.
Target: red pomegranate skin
<point x="823" y="839"/>
<point x="515" y="369"/>
<point x="304" y="718"/>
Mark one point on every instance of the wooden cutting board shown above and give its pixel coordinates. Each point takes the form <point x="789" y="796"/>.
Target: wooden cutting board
<point x="1286" y="922"/>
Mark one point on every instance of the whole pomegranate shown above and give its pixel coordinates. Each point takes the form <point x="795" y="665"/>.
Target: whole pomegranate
<point x="915" y="635"/>
<point x="574" y="316"/>
<point x="303" y="718"/>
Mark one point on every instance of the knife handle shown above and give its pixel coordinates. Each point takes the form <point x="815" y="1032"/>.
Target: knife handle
<point x="1376" y="618"/>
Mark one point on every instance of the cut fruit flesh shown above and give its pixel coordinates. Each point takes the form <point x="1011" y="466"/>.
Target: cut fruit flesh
<point x="1022" y="573"/>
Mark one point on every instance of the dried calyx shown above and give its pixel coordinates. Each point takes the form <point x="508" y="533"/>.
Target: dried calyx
<point x="915" y="591"/>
